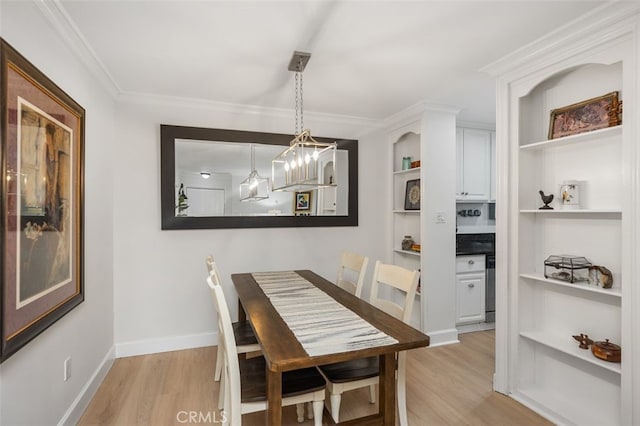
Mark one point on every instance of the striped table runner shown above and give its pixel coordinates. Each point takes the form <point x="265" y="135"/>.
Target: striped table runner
<point x="321" y="324"/>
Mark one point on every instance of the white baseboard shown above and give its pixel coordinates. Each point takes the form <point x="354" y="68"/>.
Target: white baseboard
<point x="442" y="337"/>
<point x="165" y="344"/>
<point x="75" y="411"/>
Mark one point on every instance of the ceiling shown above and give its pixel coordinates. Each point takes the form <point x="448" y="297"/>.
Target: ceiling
<point x="370" y="59"/>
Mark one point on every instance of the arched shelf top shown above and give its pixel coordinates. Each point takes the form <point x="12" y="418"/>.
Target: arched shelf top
<point x="543" y="81"/>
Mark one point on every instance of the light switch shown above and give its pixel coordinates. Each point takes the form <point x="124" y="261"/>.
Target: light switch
<point x="440" y="217"/>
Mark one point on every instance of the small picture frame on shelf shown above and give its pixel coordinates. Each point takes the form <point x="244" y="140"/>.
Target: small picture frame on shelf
<point x="412" y="195"/>
<point x="586" y="116"/>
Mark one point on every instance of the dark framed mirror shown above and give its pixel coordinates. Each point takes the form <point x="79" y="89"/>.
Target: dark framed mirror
<point x="201" y="170"/>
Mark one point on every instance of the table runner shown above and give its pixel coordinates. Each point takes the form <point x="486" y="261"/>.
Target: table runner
<point x="321" y="324"/>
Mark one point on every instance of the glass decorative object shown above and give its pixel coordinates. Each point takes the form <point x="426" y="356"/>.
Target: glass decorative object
<point x="406" y="163"/>
<point x="567" y="268"/>
<point x="407" y="243"/>
<point x="570" y="194"/>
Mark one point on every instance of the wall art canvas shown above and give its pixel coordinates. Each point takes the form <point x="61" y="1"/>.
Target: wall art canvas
<point x="42" y="202"/>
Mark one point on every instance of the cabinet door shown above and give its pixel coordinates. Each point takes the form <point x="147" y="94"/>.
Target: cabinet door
<point x="474" y="165"/>
<point x="475" y="168"/>
<point x="470" y="303"/>
<point x="492" y="175"/>
<point x="459" y="162"/>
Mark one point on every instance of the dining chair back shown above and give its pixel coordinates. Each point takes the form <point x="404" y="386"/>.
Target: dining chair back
<point x="352" y="266"/>
<point x="404" y="280"/>
<point x="243" y="333"/>
<point x="349" y="375"/>
<point x="244" y="380"/>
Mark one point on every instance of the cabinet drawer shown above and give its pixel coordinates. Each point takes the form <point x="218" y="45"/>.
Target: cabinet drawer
<point x="470" y="263"/>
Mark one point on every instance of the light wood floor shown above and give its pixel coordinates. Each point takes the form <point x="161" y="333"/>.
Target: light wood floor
<point x="447" y="385"/>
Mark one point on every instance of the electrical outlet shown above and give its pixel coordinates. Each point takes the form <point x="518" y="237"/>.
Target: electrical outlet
<point x="67" y="369"/>
<point x="440" y="217"/>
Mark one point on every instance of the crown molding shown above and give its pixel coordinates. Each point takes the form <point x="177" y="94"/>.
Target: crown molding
<point x="226" y="107"/>
<point x="414" y="113"/>
<point x="583" y="31"/>
<point x="55" y="13"/>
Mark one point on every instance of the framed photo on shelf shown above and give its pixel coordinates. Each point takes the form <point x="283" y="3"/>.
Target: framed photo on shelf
<point x="42" y="202"/>
<point x="592" y="114"/>
<point x="412" y="195"/>
<point x="302" y="201"/>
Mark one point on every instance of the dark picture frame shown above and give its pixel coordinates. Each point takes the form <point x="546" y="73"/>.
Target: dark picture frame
<point x="586" y="116"/>
<point x="41" y="263"/>
<point x="302" y="201"/>
<point x="412" y="195"/>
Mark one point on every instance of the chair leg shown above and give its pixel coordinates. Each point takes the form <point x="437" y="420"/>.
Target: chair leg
<point x="300" y="412"/>
<point x="318" y="406"/>
<point x="401" y="388"/>
<point x="221" y="394"/>
<point x="309" y="410"/>
<point x="335" y="399"/>
<point x="219" y="361"/>
<point x="372" y="394"/>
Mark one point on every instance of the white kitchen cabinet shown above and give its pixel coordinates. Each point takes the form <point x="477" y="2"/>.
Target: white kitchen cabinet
<point x="470" y="286"/>
<point x="492" y="173"/>
<point x="474" y="164"/>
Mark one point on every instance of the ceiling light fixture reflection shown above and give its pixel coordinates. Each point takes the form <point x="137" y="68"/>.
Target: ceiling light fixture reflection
<point x="254" y="187"/>
<point x="205" y="175"/>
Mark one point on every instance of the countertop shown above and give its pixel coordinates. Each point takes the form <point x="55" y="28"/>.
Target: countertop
<point x="476" y="229"/>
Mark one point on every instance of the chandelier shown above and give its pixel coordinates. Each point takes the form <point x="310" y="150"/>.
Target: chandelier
<point x="254" y="187"/>
<point x="306" y="164"/>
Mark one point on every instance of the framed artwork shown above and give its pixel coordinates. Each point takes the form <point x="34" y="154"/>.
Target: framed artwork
<point x="42" y="202"/>
<point x="302" y="201"/>
<point x="592" y="114"/>
<point x="412" y="195"/>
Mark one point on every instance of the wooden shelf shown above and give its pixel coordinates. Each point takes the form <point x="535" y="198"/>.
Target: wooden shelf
<point x="579" y="211"/>
<point x="568" y="140"/>
<point x="404" y="172"/>
<point x="613" y="292"/>
<point x="407" y="252"/>
<point x="570" y="347"/>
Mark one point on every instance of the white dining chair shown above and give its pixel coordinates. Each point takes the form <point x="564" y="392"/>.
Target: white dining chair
<point x="352" y="265"/>
<point x="243" y="333"/>
<point x="355" y="374"/>
<point x="244" y="380"/>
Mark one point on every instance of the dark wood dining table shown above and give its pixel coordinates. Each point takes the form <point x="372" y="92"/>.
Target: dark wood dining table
<point x="283" y="352"/>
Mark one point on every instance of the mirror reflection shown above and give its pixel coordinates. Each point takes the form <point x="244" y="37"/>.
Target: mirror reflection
<point x="209" y="174"/>
<point x="204" y="176"/>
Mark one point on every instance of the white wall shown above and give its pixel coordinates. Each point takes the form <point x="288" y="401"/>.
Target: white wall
<point x="438" y="134"/>
<point x="161" y="300"/>
<point x="32" y="391"/>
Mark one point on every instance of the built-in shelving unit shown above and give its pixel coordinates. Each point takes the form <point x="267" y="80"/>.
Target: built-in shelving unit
<point x="405" y="143"/>
<point x="537" y="360"/>
<point x="546" y="313"/>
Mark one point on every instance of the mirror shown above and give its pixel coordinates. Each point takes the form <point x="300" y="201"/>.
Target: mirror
<point x="201" y="171"/>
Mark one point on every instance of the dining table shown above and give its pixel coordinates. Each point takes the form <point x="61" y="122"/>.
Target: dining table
<point x="260" y="297"/>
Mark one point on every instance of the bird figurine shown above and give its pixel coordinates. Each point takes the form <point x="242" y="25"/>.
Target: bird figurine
<point x="546" y="199"/>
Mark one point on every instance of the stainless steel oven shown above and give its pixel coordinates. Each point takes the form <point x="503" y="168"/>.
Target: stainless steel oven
<point x="490" y="288"/>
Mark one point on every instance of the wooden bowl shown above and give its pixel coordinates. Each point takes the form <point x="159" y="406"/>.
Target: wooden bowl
<point x="607" y="351"/>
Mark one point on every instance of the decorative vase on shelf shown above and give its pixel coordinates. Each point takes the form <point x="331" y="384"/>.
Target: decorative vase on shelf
<point x="406" y="163"/>
<point x="407" y="242"/>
